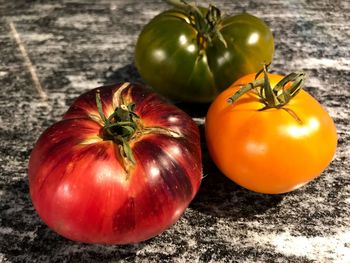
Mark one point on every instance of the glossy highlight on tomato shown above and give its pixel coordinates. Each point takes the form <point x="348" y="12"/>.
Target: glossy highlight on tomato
<point x="266" y="149"/>
<point x="118" y="183"/>
<point x="192" y="57"/>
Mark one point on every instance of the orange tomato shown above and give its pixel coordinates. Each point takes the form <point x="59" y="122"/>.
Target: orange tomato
<point x="274" y="150"/>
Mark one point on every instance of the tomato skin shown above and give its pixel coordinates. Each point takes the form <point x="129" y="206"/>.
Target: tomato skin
<point x="269" y="151"/>
<point x="169" y="58"/>
<point x="81" y="190"/>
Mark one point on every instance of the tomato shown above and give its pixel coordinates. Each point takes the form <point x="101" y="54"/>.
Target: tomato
<point x="191" y="54"/>
<point x="121" y="167"/>
<point x="269" y="149"/>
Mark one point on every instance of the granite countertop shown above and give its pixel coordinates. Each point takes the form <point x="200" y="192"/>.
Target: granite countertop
<point x="52" y="51"/>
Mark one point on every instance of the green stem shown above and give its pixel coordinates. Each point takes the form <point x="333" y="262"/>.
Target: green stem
<point x="245" y="89"/>
<point x="99" y="106"/>
<point x="206" y="24"/>
<point x="120" y="126"/>
<point x="272" y="97"/>
<point x="124" y="126"/>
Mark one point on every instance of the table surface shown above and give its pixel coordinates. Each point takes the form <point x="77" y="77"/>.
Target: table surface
<point x="52" y="51"/>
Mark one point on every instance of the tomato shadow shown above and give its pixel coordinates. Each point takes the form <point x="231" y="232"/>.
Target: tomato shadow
<point x="25" y="238"/>
<point x="195" y="110"/>
<point x="218" y="196"/>
<point x="127" y="73"/>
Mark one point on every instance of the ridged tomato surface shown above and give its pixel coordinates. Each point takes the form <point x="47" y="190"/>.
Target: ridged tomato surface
<point x="81" y="187"/>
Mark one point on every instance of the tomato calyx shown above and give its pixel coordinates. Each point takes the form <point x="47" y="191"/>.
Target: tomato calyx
<point x="273" y="97"/>
<point x="124" y="126"/>
<point x="205" y="21"/>
<point x="120" y="126"/>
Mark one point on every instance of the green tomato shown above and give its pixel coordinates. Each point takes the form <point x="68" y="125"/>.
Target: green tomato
<point x="192" y="54"/>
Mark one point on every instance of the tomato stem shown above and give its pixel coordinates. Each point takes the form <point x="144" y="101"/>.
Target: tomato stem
<point x="273" y="97"/>
<point x="120" y="126"/>
<point x="124" y="126"/>
<point x="205" y="23"/>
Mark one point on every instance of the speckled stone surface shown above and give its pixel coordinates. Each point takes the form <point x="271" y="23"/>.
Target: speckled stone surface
<point x="77" y="45"/>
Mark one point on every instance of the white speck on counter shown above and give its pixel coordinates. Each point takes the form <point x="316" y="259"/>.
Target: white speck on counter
<point x="332" y="248"/>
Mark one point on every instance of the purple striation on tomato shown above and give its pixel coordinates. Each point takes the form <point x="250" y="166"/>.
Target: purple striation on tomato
<point x="121" y="167"/>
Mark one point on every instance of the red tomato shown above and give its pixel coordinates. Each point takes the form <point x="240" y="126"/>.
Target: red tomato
<point x="269" y="149"/>
<point x="119" y="185"/>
